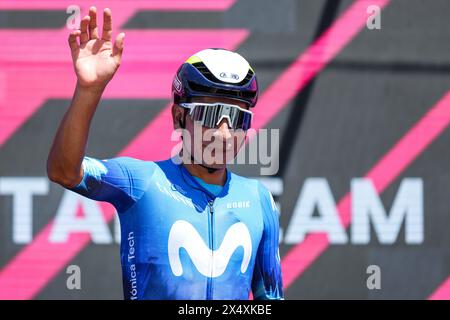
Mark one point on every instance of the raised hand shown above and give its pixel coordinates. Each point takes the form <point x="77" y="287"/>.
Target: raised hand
<point x="95" y="59"/>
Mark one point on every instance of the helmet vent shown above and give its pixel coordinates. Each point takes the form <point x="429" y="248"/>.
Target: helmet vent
<point x="236" y="93"/>
<point x="200" y="66"/>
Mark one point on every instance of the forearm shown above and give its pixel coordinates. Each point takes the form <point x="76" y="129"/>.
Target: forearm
<point x="69" y="144"/>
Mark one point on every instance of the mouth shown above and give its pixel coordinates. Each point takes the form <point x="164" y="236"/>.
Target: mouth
<point x="217" y="145"/>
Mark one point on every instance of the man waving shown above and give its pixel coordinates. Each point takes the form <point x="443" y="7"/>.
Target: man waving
<point x="191" y="229"/>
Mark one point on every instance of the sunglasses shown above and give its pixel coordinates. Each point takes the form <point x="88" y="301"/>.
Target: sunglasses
<point x="211" y="114"/>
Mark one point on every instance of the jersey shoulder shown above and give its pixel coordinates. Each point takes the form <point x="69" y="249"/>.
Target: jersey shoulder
<point x="139" y="172"/>
<point x="244" y="182"/>
<point x="135" y="170"/>
<point x="122" y="181"/>
<point x="251" y="186"/>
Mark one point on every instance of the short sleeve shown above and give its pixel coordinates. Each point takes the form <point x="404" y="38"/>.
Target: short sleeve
<point x="120" y="181"/>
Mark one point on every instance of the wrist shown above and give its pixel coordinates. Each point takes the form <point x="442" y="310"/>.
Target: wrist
<point x="90" y="89"/>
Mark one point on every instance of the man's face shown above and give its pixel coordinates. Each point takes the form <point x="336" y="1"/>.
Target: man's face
<point x="216" y="146"/>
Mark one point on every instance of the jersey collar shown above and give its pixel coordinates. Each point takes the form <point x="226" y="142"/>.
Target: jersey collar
<point x="189" y="179"/>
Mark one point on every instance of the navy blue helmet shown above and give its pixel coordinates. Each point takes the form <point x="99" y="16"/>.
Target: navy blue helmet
<point x="215" y="73"/>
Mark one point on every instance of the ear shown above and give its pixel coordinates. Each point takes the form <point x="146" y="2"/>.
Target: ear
<point x="177" y="116"/>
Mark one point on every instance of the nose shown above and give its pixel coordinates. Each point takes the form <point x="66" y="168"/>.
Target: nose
<point x="224" y="130"/>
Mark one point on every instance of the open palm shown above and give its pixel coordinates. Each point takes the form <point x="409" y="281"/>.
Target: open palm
<point x="95" y="59"/>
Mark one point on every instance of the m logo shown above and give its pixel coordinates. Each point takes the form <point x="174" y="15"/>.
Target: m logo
<point x="208" y="262"/>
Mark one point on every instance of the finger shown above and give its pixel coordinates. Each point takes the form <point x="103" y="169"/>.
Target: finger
<point x="84" y="36"/>
<point x="73" y="43"/>
<point x="93" y="31"/>
<point x="118" y="47"/>
<point x="107" y="25"/>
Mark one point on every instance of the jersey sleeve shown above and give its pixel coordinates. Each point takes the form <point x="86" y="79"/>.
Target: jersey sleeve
<point x="267" y="279"/>
<point x="120" y="181"/>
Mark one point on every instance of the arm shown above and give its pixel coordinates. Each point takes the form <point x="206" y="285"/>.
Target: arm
<point x="95" y="62"/>
<point x="267" y="280"/>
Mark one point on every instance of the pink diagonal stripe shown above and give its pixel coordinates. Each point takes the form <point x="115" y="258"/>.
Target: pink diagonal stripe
<point x="46" y="46"/>
<point x="393" y="163"/>
<point x="40" y="261"/>
<point x="151" y="58"/>
<point x="142" y="4"/>
<point x="442" y="292"/>
<point x="313" y="60"/>
<point x="163" y="45"/>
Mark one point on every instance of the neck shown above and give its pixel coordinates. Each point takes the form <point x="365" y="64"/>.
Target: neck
<point x="218" y="177"/>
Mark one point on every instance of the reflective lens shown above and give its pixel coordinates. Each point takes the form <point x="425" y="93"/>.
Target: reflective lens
<point x="210" y="115"/>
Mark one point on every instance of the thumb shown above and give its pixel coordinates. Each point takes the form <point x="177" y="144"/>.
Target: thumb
<point x="118" y="47"/>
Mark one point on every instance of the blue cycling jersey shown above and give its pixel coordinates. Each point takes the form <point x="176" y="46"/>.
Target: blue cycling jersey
<point x="180" y="241"/>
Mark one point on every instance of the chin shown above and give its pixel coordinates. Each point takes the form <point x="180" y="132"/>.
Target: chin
<point x="216" y="165"/>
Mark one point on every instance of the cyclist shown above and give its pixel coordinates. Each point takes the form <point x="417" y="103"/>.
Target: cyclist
<point x="190" y="228"/>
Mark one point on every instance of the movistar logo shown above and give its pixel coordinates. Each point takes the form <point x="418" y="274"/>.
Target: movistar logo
<point x="210" y="263"/>
<point x="229" y="75"/>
